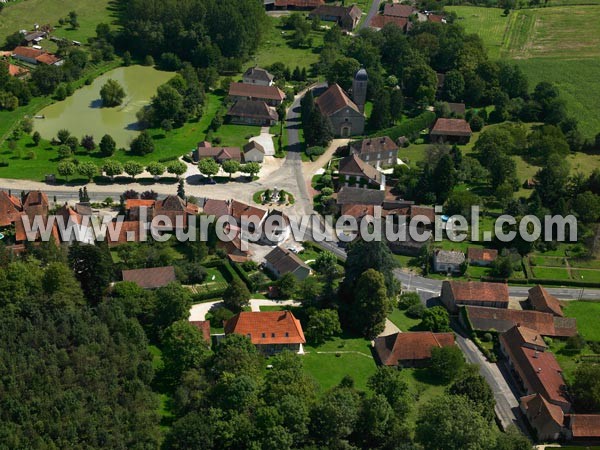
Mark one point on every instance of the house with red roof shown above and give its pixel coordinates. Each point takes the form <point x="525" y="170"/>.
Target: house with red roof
<point x="478" y="256"/>
<point x="469" y="293"/>
<point x="204" y="327"/>
<point x="271" y="95"/>
<point x="10" y="209"/>
<point x="411" y="349"/>
<point x="536" y="370"/>
<point x="451" y="130"/>
<point x="541" y="300"/>
<point x="270" y="331"/>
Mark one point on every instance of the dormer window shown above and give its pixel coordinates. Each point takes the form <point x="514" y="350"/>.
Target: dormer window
<point x="264" y="335"/>
<point x="287" y="334"/>
<point x="272" y="335"/>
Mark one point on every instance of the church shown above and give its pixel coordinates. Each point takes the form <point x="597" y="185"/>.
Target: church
<point x="345" y="114"/>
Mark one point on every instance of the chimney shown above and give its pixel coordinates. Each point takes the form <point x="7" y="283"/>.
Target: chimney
<point x="539" y="369"/>
<point x="537" y="355"/>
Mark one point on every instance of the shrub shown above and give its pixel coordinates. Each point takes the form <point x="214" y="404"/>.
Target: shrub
<point x="219" y="315"/>
<point x="408" y="299"/>
<point x="487" y="337"/>
<point x="575" y="343"/>
<point x="416" y="311"/>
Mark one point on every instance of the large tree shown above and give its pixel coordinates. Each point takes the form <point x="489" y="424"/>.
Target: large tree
<point x="473" y="386"/>
<point x="447" y="362"/>
<point x="370" y="304"/>
<point x="112" y="93"/>
<point x="451" y="423"/>
<point x="93" y="268"/>
<point x="364" y="255"/>
<point x="236" y="296"/>
<point x="183" y="348"/>
<point x="586" y="387"/>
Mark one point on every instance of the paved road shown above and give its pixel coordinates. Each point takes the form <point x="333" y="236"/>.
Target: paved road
<point x="507" y="405"/>
<point x="372" y="11"/>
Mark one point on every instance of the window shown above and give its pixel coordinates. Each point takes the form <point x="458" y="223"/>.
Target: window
<point x="264" y="335"/>
<point x="272" y="335"/>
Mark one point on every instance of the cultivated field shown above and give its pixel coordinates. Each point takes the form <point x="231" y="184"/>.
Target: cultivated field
<point x="559" y="44"/>
<point x="489" y="23"/>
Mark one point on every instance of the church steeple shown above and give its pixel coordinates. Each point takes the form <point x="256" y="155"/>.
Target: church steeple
<point x="359" y="89"/>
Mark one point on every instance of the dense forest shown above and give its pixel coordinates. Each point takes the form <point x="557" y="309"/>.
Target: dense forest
<point x="218" y="33"/>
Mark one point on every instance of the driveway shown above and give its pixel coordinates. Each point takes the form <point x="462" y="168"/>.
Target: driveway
<point x="199" y="310"/>
<point x="265" y="138"/>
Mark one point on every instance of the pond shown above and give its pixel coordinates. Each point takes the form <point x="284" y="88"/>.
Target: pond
<point x="82" y="113"/>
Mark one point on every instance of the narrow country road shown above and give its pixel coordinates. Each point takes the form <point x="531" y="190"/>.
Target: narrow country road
<point x="507" y="404"/>
<point x="372" y="12"/>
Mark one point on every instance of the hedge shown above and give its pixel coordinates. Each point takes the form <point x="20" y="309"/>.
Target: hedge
<point x="409" y="127"/>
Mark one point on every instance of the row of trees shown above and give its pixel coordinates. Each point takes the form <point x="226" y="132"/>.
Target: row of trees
<point x="112" y="168"/>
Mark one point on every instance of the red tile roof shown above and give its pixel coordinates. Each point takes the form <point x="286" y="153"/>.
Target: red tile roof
<point x="501" y="320"/>
<point x="527" y="336"/>
<point x="151" y="278"/>
<point x="469" y="291"/>
<point x="411" y="346"/>
<point x="585" y="425"/>
<point x="435" y="18"/>
<point x="47" y="58"/>
<point x="129" y="231"/>
<point x="374" y="145"/>
<point x="267" y="327"/>
<point x="204" y="327"/>
<point x="239" y="209"/>
<point x="482" y="254"/>
<point x="220" y="153"/>
<point x="398" y="10"/>
<point x="354" y="166"/>
<point x="10" y="209"/>
<point x="542" y="301"/>
<point x="27" y="52"/>
<point x="451" y="127"/>
<point x="298" y="3"/>
<point x="357" y="211"/>
<point x="256" y="91"/>
<point x="539" y="371"/>
<point x="216" y="208"/>
<point x="136" y="203"/>
<point x="334" y="99"/>
<point x="540" y="411"/>
<point x="379" y="21"/>
<point x="15" y="71"/>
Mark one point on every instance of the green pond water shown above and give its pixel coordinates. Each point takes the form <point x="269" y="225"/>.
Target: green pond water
<point x="82" y="113"/>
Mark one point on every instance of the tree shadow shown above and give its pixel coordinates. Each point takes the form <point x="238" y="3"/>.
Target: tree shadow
<point x="96" y="104"/>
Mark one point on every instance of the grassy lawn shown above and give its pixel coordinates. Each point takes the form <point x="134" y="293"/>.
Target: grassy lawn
<point x="272" y="308"/>
<point x="587" y="315"/>
<point x="275" y="47"/>
<point x="422" y="387"/>
<point x="551" y="273"/>
<point x="341" y="357"/>
<point x="22" y="15"/>
<point x="402" y="321"/>
<point x="567" y="360"/>
<point x="586" y="275"/>
<point x="489" y="23"/>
